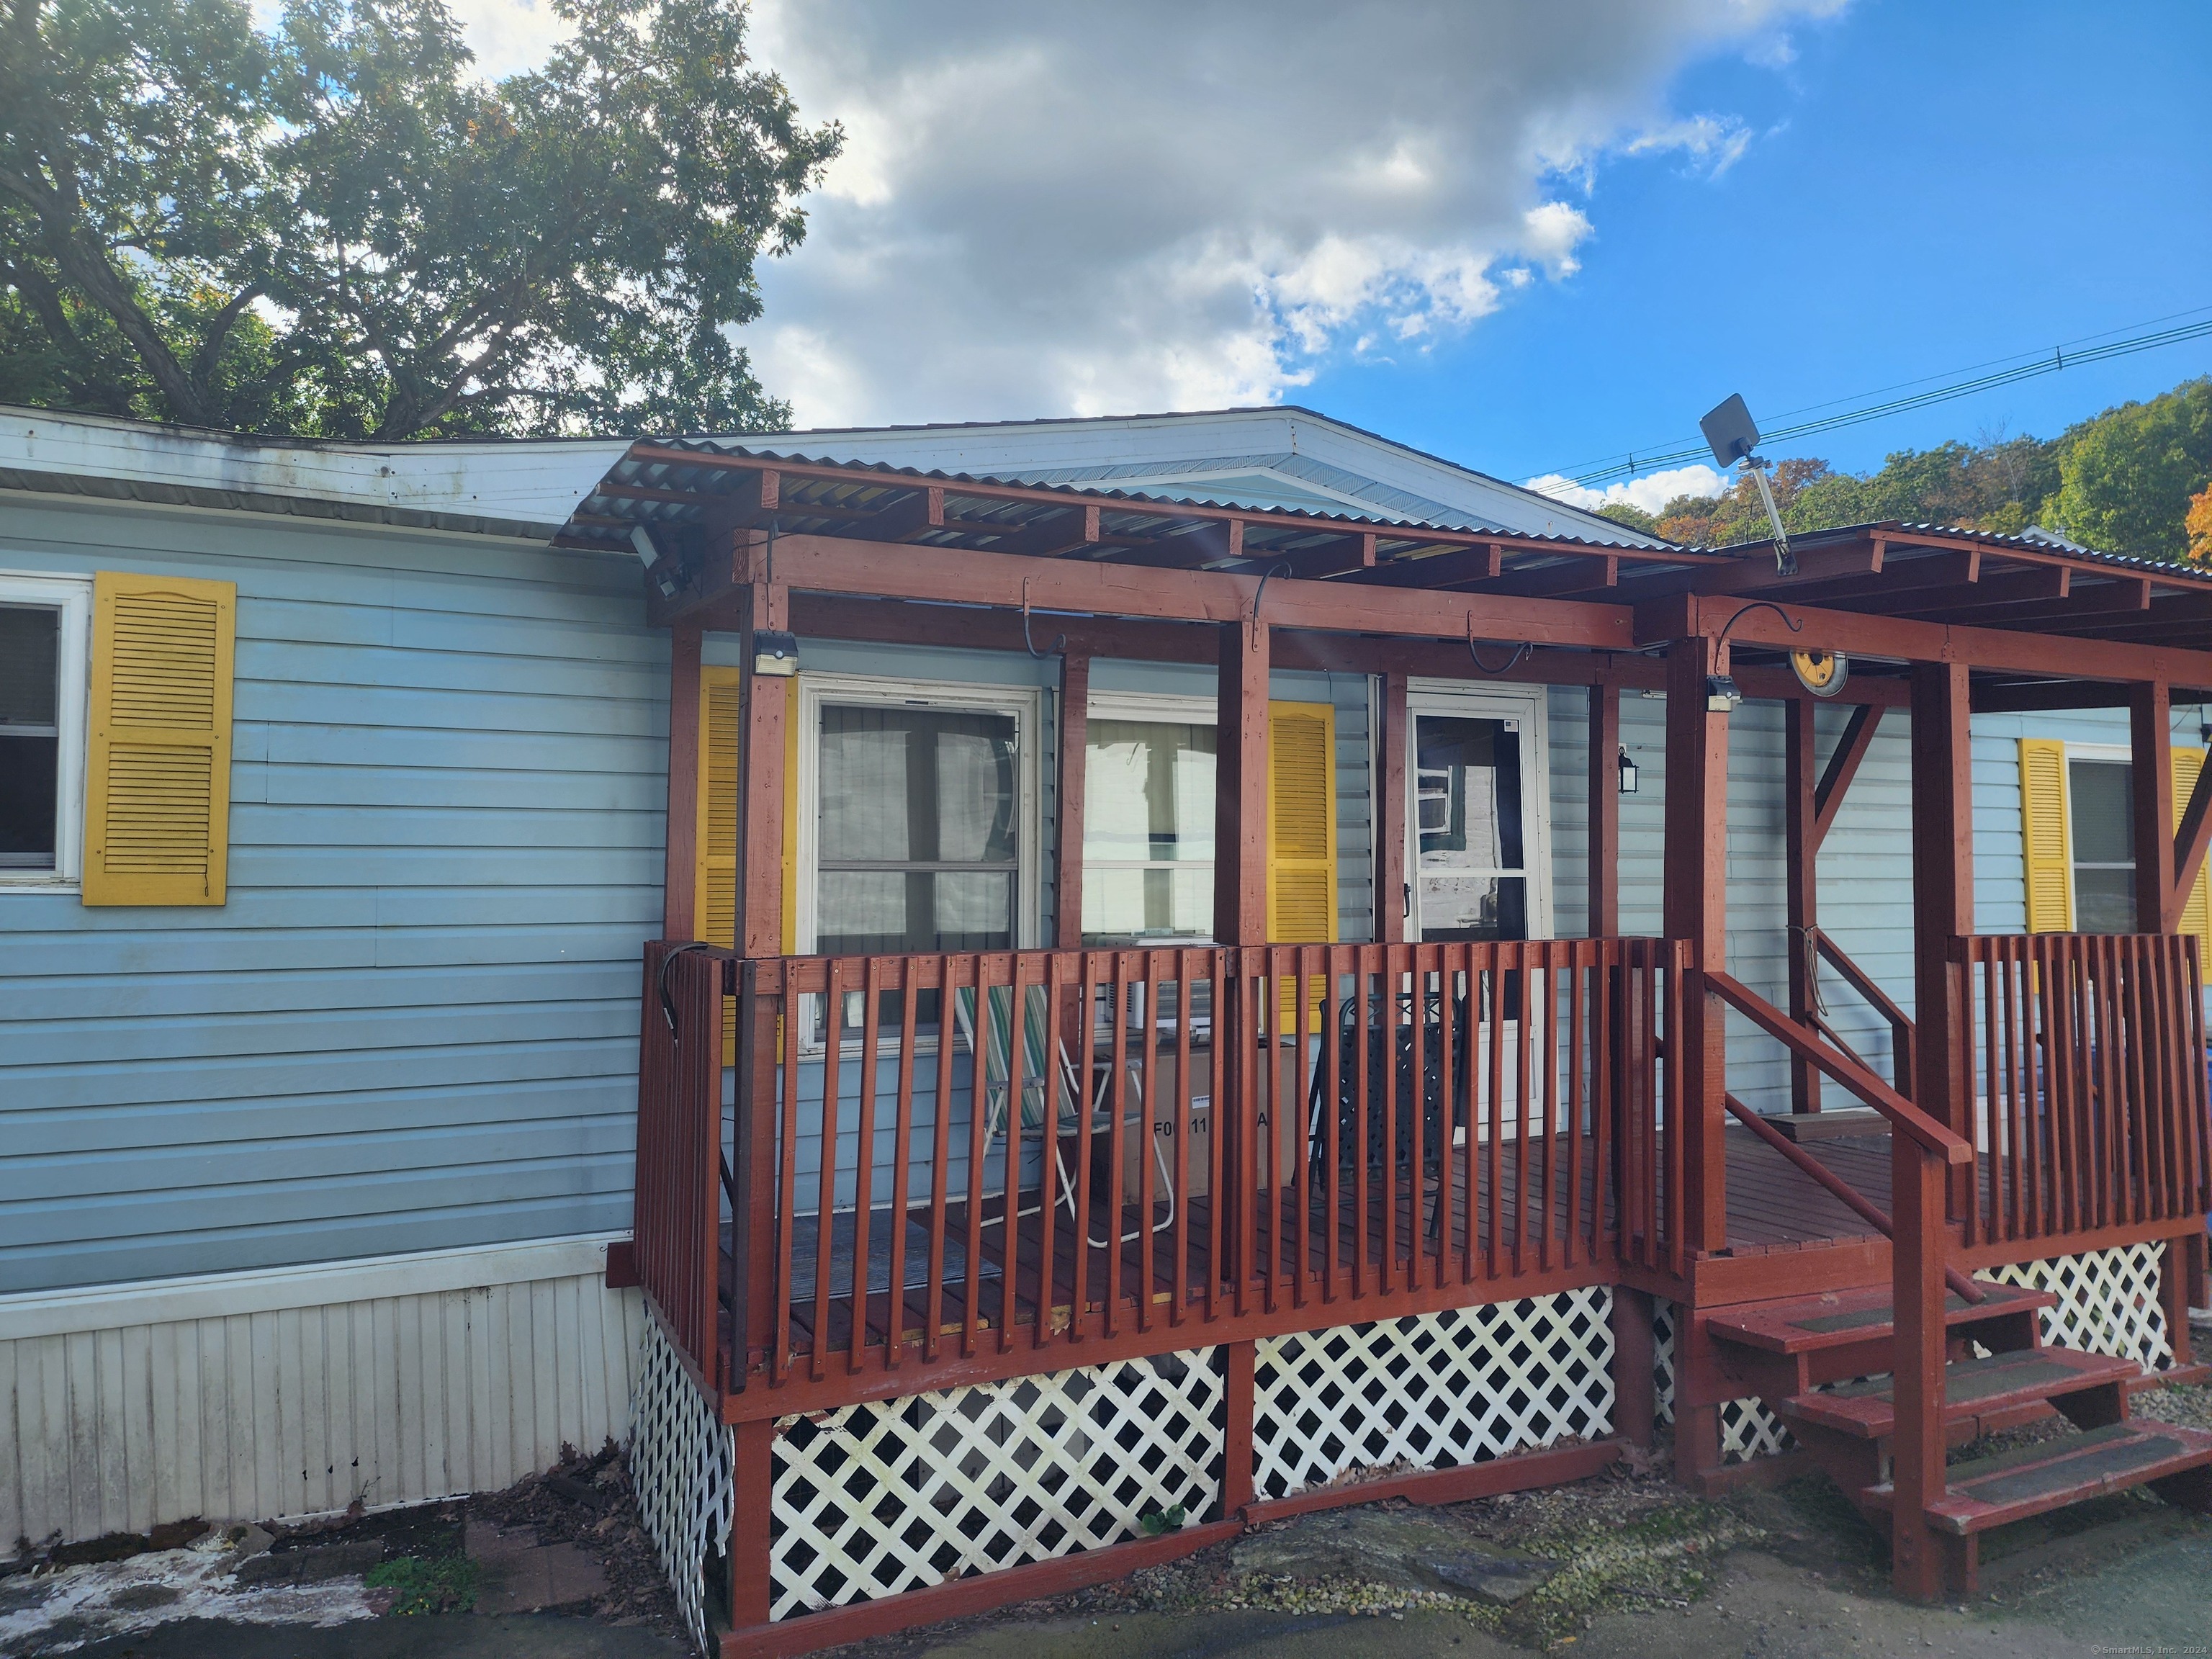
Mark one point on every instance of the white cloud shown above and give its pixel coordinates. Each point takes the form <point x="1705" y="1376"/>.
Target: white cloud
<point x="1045" y="210"/>
<point x="1650" y="492"/>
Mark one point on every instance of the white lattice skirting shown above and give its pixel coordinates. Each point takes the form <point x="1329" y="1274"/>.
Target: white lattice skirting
<point x="1431" y="1390"/>
<point x="1748" y="1430"/>
<point x="870" y="1500"/>
<point x="683" y="1462"/>
<point x="2108" y="1301"/>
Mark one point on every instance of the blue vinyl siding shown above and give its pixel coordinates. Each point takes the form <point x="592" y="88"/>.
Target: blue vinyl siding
<point x="414" y="1023"/>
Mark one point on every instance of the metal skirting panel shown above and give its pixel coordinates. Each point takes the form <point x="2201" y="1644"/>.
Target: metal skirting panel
<point x="299" y="1411"/>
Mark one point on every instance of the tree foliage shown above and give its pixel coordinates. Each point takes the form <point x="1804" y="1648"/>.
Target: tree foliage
<point x="337" y="229"/>
<point x="2120" y="482"/>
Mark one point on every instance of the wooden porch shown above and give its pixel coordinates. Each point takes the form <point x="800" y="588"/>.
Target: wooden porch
<point x="939" y="1168"/>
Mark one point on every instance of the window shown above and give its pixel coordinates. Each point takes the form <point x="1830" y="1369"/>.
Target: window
<point x="44" y="623"/>
<point x="1148" y="820"/>
<point x="916" y="819"/>
<point x="2101" y="806"/>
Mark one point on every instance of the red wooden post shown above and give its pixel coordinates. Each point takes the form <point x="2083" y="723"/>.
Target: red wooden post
<point x="751" y="1591"/>
<point x="1237" y="1439"/>
<point x="1604" y="810"/>
<point x="766" y="699"/>
<point x="679" y="879"/>
<point x="1394" y="899"/>
<point x="2151" y="734"/>
<point x="1074" y="758"/>
<point x="1943" y="910"/>
<point x="1801" y="849"/>
<point x="1697" y="911"/>
<point x="1635" y="1404"/>
<point x="1240" y="918"/>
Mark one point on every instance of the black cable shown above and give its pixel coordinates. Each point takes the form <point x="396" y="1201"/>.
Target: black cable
<point x="2056" y="364"/>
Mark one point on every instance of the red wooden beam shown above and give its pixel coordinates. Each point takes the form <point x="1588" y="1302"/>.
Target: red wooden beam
<point x="1843" y="766"/>
<point x="1920" y="642"/>
<point x="835" y="564"/>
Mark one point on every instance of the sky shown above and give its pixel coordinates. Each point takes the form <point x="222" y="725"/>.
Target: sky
<point x="1529" y="239"/>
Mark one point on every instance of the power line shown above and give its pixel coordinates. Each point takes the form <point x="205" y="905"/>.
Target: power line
<point x="2072" y="353"/>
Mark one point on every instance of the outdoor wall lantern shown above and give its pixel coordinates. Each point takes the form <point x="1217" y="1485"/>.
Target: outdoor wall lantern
<point x="1627" y="774"/>
<point x="774" y="653"/>
<point x="1721" y="695"/>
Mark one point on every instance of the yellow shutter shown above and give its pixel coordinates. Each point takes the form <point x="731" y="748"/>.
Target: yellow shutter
<point x="1301" y="831"/>
<point x="2043" y="837"/>
<point x="157" y="777"/>
<point x="2197" y="912"/>
<point x="714" y="903"/>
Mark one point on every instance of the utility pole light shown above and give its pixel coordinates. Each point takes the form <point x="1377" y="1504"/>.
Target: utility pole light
<point x="1733" y="434"/>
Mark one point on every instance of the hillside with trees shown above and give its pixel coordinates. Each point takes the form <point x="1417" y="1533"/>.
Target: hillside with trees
<point x="2136" y="479"/>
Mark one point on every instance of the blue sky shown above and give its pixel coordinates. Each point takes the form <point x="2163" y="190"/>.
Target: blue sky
<point x="1523" y="235"/>
<point x="1927" y="187"/>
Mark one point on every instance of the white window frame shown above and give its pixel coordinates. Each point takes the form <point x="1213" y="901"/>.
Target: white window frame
<point x="1529" y="706"/>
<point x="1158" y="708"/>
<point x="1026" y="706"/>
<point x="2106" y="754"/>
<point x="72" y="597"/>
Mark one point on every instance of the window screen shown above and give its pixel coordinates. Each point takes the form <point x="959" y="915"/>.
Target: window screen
<point x="1148" y="830"/>
<point x="2100" y="804"/>
<point x="30" y="735"/>
<point x="916" y="830"/>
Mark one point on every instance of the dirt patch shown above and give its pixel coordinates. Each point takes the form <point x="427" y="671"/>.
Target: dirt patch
<point x="588" y="1502"/>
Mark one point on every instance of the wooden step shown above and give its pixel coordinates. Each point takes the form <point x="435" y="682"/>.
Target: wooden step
<point x="1835" y="1124"/>
<point x="1840" y="1318"/>
<point x="1972" y="1388"/>
<point x="1994" y="1492"/>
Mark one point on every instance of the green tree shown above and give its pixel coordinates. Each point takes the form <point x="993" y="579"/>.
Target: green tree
<point x="336" y="228"/>
<point x="2125" y="478"/>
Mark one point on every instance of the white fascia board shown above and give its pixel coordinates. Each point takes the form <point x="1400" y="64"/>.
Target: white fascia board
<point x="527" y="481"/>
<point x="314" y="1285"/>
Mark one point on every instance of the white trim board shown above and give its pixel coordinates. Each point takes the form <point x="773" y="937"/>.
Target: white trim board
<point x="274" y="1290"/>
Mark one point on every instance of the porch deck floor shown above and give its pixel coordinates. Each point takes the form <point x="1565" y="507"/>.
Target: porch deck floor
<point x="1772" y="1205"/>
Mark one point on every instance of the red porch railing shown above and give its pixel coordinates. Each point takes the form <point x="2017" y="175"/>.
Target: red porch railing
<point x="681" y="1172"/>
<point x="967" y="1160"/>
<point x="2087" y="1055"/>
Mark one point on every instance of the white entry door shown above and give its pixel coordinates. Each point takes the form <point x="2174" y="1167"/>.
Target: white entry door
<point x="1478" y="823"/>
<point x="1479" y="837"/>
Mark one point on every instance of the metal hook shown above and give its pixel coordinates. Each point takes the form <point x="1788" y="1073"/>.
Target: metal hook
<point x="1519" y="651"/>
<point x="1281" y="567"/>
<point x="1060" y="641"/>
<point x="1760" y="604"/>
<point x="668" y="1002"/>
